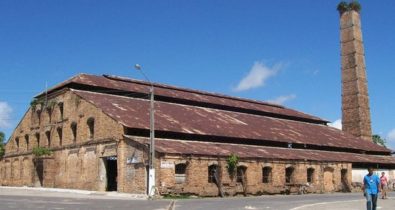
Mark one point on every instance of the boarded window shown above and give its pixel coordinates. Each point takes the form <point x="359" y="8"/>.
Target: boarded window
<point x="241" y="174"/>
<point x="180" y="173"/>
<point x="74" y="131"/>
<point x="266" y="174"/>
<point x="91" y="127"/>
<point x="289" y="174"/>
<point x="310" y="175"/>
<point x="213" y="173"/>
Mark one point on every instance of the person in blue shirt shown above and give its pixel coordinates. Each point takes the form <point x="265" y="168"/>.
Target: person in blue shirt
<point x="371" y="188"/>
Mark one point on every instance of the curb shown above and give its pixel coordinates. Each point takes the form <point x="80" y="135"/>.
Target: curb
<point x="82" y="192"/>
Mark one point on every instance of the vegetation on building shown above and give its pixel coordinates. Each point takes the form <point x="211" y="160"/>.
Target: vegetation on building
<point x="343" y="6"/>
<point x="41" y="151"/>
<point x="2" y="150"/>
<point x="232" y="162"/>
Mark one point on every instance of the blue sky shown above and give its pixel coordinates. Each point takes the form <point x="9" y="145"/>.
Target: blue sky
<point x="282" y="51"/>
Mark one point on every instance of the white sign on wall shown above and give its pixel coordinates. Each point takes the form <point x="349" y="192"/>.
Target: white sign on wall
<point x="166" y="164"/>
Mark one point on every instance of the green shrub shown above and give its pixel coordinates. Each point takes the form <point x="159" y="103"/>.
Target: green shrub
<point x="343" y="6"/>
<point x="41" y="151"/>
<point x="232" y="162"/>
<point x="2" y="150"/>
<point x="355" y="5"/>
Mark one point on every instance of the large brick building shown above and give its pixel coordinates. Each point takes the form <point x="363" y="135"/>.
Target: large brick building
<point x="98" y="127"/>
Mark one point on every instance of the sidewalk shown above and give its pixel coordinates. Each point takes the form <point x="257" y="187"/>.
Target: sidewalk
<point x="70" y="193"/>
<point x="387" y="204"/>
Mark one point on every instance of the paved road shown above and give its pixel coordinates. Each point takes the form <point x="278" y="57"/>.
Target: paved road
<point x="11" y="199"/>
<point x="337" y="201"/>
<point x="31" y="199"/>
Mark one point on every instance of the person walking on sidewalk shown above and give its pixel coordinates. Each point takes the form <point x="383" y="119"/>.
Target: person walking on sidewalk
<point x="383" y="185"/>
<point x="371" y="188"/>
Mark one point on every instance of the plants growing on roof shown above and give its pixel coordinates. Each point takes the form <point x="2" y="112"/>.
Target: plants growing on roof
<point x="51" y="104"/>
<point x="43" y="104"/>
<point x="35" y="102"/>
<point x="355" y="5"/>
<point x="343" y="6"/>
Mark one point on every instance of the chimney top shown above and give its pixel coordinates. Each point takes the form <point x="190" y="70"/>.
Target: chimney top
<point x="343" y="7"/>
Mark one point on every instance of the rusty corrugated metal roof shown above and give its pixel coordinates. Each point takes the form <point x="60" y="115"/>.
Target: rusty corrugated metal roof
<point x="134" y="113"/>
<point x="248" y="151"/>
<point x="130" y="85"/>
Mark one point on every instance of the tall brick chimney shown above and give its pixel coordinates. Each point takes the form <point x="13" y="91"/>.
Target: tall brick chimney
<point x="355" y="97"/>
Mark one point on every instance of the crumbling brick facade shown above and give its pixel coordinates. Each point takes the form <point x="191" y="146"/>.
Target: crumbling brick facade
<point x="326" y="177"/>
<point x="78" y="162"/>
<point x="75" y="161"/>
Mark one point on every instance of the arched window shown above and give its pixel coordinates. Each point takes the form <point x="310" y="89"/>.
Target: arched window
<point x="344" y="174"/>
<point x="180" y="173"/>
<point x="60" y="135"/>
<point x="17" y="144"/>
<point x="38" y="139"/>
<point x="310" y="175"/>
<point x="74" y="131"/>
<point x="38" y="113"/>
<point x="91" y="126"/>
<point x="48" y="135"/>
<point x="213" y="173"/>
<point x="241" y="174"/>
<point x="27" y="141"/>
<point x="289" y="174"/>
<point x="60" y="104"/>
<point x="266" y="174"/>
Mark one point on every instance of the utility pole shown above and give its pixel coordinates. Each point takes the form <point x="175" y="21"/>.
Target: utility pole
<point x="151" y="167"/>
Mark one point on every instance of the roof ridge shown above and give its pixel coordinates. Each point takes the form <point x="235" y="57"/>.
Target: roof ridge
<point x="220" y="95"/>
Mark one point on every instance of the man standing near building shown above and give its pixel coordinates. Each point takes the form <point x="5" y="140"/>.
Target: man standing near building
<point x="371" y="188"/>
<point x="384" y="184"/>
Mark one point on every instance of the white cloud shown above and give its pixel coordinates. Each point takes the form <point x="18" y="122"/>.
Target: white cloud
<point x="391" y="135"/>
<point x="257" y="76"/>
<point x="336" y="124"/>
<point x="282" y="99"/>
<point x="5" y="114"/>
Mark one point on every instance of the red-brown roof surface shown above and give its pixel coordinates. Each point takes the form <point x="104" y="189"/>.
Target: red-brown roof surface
<point x="248" y="151"/>
<point x="125" y="84"/>
<point x="134" y="113"/>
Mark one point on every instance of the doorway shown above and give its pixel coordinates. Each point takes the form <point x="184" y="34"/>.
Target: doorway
<point x="345" y="185"/>
<point x="39" y="166"/>
<point x="112" y="173"/>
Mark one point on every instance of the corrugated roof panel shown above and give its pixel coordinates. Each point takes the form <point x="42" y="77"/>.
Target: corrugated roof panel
<point x="125" y="84"/>
<point x="134" y="113"/>
<point x="248" y="151"/>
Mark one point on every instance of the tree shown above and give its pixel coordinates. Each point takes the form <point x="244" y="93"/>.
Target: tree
<point x="2" y="136"/>
<point x="378" y="140"/>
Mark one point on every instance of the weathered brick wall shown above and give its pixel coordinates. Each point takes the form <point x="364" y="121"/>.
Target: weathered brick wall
<point x="79" y="164"/>
<point x="197" y="177"/>
<point x="132" y="176"/>
<point x="73" y="164"/>
<point x="355" y="97"/>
